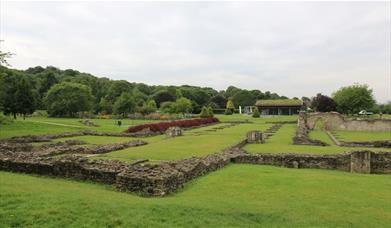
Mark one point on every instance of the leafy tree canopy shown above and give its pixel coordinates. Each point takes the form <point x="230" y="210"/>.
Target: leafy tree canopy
<point x="125" y="104"/>
<point x="67" y="99"/>
<point x="322" y="103"/>
<point x="353" y="99"/>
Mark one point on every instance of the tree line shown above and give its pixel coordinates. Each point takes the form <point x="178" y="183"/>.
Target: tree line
<point x="348" y="100"/>
<point x="68" y="92"/>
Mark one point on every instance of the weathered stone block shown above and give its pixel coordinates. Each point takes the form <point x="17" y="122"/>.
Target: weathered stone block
<point x="255" y="137"/>
<point x="174" y="131"/>
<point x="360" y="162"/>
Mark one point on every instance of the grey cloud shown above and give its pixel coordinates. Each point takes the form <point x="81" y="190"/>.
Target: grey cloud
<point x="293" y="48"/>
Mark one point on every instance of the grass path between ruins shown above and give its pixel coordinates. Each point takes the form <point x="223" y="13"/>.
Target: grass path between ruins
<point x="357" y="136"/>
<point x="281" y="142"/>
<point x="238" y="195"/>
<point x="198" y="142"/>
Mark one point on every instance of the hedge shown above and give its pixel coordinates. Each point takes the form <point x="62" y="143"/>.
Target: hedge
<point x="163" y="126"/>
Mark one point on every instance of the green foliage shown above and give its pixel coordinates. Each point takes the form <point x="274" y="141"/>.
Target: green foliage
<point x="163" y="96"/>
<point x="117" y="88"/>
<point x="40" y="113"/>
<point x="42" y="79"/>
<point x="24" y="97"/>
<point x="244" y="98"/>
<point x="228" y="111"/>
<point x="256" y="113"/>
<point x="383" y="108"/>
<point x="17" y="95"/>
<point x="210" y="111"/>
<point x="105" y="106"/>
<point x="183" y="105"/>
<point x="4" y="120"/>
<point x="230" y="105"/>
<point x="353" y="99"/>
<point x="49" y="79"/>
<point x="204" y="112"/>
<point x="124" y="104"/>
<point x="3" y="58"/>
<point x="148" y="107"/>
<point x="219" y="101"/>
<point x="167" y="107"/>
<point x="67" y="99"/>
<point x="139" y="97"/>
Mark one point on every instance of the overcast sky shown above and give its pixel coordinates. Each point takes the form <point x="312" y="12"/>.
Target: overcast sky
<point x="294" y="49"/>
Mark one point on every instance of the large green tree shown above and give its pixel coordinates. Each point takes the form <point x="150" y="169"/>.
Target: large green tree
<point x="353" y="99"/>
<point x="105" y="106"/>
<point x="244" y="98"/>
<point x="24" y="96"/>
<point x="219" y="100"/>
<point x="183" y="105"/>
<point x="67" y="99"/>
<point x="125" y="104"/>
<point x="17" y="95"/>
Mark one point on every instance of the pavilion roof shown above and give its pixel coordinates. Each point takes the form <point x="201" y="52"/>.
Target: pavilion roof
<point x="279" y="102"/>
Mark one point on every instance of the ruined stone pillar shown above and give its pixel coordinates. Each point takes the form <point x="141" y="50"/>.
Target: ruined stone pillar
<point x="360" y="162"/>
<point x="255" y="137"/>
<point x="174" y="131"/>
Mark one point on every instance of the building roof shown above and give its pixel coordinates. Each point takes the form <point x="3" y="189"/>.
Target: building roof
<point x="279" y="102"/>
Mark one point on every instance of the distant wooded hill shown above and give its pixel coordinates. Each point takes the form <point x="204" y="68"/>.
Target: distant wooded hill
<point x="18" y="86"/>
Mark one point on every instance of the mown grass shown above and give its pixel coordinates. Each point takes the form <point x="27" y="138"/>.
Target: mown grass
<point x="197" y="142"/>
<point x="43" y="125"/>
<point x="262" y="119"/>
<point x="349" y="136"/>
<point x="238" y="195"/>
<point x="281" y="142"/>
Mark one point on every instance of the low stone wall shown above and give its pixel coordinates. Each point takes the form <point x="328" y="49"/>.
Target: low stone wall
<point x="338" y="162"/>
<point x="162" y="179"/>
<point x="70" y="166"/>
<point x="357" y="161"/>
<point x="381" y="162"/>
<point x="336" y="121"/>
<point x="16" y="147"/>
<point x="148" y="179"/>
<point x="381" y="143"/>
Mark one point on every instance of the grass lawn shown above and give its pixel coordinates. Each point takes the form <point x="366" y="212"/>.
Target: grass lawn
<point x="262" y="119"/>
<point x="281" y="142"/>
<point x="197" y="142"/>
<point x="349" y="136"/>
<point x="238" y="195"/>
<point x="43" y="125"/>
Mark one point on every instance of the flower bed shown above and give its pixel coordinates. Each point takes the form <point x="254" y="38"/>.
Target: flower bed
<point x="163" y="126"/>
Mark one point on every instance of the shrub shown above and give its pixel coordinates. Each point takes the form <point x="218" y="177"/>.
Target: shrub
<point x="5" y="119"/>
<point x="204" y="112"/>
<point x="210" y="111"/>
<point x="40" y="113"/>
<point x="228" y="111"/>
<point x="256" y="113"/>
<point x="163" y="126"/>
